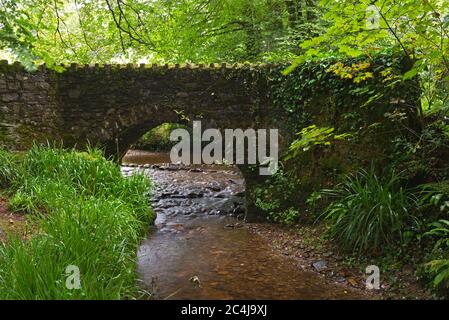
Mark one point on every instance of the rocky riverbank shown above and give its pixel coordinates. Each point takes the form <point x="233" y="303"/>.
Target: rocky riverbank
<point x="200" y="248"/>
<point x="305" y="247"/>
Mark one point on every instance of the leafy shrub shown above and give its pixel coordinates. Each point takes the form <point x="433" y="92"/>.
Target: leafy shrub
<point x="438" y="269"/>
<point x="274" y="198"/>
<point x="434" y="198"/>
<point x="158" y="139"/>
<point x="288" y="217"/>
<point x="312" y="136"/>
<point x="368" y="212"/>
<point x="423" y="158"/>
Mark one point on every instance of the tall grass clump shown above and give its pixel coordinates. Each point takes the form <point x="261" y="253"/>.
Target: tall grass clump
<point x="8" y="167"/>
<point x="368" y="213"/>
<point x="83" y="213"/>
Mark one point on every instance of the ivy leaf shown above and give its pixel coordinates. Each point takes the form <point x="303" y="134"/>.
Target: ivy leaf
<point x="410" y="74"/>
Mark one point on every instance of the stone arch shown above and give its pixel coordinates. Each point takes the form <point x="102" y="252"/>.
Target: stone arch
<point x="112" y="106"/>
<point x="120" y="144"/>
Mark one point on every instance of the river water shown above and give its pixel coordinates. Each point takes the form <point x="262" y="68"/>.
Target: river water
<point x="199" y="247"/>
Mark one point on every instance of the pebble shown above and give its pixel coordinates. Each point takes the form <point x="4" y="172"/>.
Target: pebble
<point x="320" y="265"/>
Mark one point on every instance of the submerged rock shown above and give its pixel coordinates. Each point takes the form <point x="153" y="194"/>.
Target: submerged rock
<point x="193" y="195"/>
<point x="320" y="265"/>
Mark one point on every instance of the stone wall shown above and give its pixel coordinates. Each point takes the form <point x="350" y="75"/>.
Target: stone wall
<point x="113" y="106"/>
<point x="29" y="108"/>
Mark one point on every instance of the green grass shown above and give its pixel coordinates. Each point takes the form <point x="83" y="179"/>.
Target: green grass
<point x="83" y="212"/>
<point x="369" y="213"/>
<point x="8" y="166"/>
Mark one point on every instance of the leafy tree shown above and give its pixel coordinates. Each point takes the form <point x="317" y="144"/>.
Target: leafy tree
<point x="104" y="31"/>
<point x="417" y="29"/>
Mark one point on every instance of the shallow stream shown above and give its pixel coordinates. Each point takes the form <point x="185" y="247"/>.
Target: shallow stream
<point x="200" y="248"/>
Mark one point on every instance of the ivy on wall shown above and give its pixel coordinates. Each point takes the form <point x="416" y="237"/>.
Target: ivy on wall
<point x="343" y="110"/>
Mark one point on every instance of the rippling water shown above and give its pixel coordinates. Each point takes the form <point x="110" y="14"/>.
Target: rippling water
<point x="200" y="248"/>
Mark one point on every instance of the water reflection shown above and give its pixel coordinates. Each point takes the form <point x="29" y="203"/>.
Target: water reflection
<point x="199" y="247"/>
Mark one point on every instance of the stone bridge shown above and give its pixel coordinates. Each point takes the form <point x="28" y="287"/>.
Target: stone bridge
<point x="112" y="106"/>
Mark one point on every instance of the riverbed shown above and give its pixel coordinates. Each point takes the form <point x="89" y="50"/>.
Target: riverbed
<point x="200" y="247"/>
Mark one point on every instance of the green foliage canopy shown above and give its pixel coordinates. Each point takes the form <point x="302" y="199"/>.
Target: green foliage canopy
<point x="104" y="31"/>
<point x="417" y="29"/>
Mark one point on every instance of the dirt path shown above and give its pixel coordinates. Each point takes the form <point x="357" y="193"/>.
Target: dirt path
<point x="10" y="222"/>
